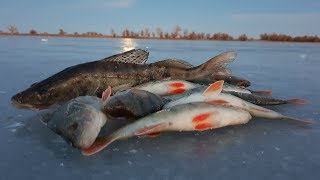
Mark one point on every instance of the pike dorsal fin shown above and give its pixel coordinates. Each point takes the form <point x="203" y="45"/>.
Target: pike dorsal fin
<point x="214" y="88"/>
<point x="135" y="56"/>
<point x="174" y="63"/>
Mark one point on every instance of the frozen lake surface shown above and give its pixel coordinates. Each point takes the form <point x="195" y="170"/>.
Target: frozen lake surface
<point x="261" y="149"/>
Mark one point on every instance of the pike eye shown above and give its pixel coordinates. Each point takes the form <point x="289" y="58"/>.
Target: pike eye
<point x="43" y="91"/>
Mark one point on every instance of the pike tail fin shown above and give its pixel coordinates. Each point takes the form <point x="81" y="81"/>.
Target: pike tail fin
<point x="213" y="65"/>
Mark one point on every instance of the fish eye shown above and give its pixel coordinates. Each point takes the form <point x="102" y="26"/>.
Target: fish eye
<point x="73" y="126"/>
<point x="43" y="91"/>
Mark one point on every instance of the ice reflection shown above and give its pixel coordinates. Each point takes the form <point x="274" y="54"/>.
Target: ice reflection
<point x="128" y="44"/>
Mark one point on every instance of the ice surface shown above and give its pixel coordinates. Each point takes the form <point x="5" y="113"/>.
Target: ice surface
<point x="262" y="149"/>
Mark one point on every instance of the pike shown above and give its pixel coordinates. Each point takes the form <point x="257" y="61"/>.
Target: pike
<point x="213" y="95"/>
<point x="185" y="117"/>
<point x="80" y="120"/>
<point x="121" y="71"/>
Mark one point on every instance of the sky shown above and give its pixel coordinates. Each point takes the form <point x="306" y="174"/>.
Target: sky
<point x="253" y="17"/>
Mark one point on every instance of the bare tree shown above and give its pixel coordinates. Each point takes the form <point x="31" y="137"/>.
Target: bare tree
<point x="208" y="36"/>
<point x="243" y="37"/>
<point x="113" y="33"/>
<point x="61" y="32"/>
<point x="141" y="33"/>
<point x="185" y="33"/>
<point x="222" y="37"/>
<point x="177" y="30"/>
<point x="126" y="33"/>
<point x="201" y="35"/>
<point x="159" y="32"/>
<point x="32" y="31"/>
<point x="133" y="34"/>
<point x="12" y="29"/>
<point x="146" y="32"/>
<point x="192" y="36"/>
<point x="166" y="35"/>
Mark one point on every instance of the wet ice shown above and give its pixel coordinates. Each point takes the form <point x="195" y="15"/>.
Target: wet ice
<point x="268" y="149"/>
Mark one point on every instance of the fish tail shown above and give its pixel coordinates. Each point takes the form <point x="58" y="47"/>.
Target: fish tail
<point x="98" y="145"/>
<point x="262" y="92"/>
<point x="298" y="101"/>
<point x="306" y="121"/>
<point x="212" y="65"/>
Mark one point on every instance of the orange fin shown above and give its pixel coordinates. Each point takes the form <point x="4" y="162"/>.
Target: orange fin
<point x="98" y="145"/>
<point x="176" y="85"/>
<point x="262" y="92"/>
<point x="219" y="101"/>
<point x="204" y="126"/>
<point x="177" y="91"/>
<point x="297" y="101"/>
<point x="153" y="134"/>
<point x="149" y="129"/>
<point x="106" y="94"/>
<point x="214" y="88"/>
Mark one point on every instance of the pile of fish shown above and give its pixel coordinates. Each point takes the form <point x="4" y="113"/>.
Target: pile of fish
<point x="168" y="95"/>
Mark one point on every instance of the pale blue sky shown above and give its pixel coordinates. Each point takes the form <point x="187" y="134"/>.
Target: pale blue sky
<point x="253" y="17"/>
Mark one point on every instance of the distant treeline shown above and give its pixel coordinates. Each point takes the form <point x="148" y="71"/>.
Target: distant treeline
<point x="177" y="33"/>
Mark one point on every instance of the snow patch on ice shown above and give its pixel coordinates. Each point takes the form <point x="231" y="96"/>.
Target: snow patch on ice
<point x="303" y="56"/>
<point x="15" y="125"/>
<point x="133" y="151"/>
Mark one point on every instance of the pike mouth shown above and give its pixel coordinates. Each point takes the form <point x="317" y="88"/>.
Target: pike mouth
<point x="19" y="105"/>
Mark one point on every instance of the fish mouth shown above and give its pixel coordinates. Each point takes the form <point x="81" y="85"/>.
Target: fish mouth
<point x="20" y="105"/>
